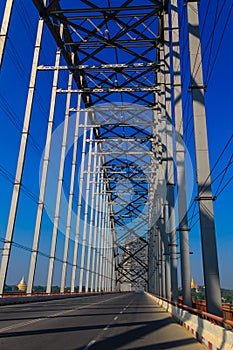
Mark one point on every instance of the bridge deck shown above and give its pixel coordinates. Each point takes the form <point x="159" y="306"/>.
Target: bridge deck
<point x="123" y="321"/>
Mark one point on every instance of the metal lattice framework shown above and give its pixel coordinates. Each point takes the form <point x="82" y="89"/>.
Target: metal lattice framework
<point x="123" y="107"/>
<point x="111" y="53"/>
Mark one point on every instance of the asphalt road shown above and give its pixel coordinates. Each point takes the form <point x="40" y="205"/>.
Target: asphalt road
<point x="119" y="321"/>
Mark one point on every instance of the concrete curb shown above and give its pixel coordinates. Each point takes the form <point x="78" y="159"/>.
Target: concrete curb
<point x="207" y="333"/>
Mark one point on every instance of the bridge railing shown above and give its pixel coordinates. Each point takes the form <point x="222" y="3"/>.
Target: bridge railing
<point x="228" y="323"/>
<point x="227" y="309"/>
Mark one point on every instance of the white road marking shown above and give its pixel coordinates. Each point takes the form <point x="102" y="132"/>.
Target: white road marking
<point x="115" y="318"/>
<point x="90" y="344"/>
<point x="107" y="327"/>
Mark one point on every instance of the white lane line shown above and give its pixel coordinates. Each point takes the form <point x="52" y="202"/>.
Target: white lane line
<point x="115" y="318"/>
<point x="22" y="324"/>
<point x="121" y="312"/>
<point x="90" y="344"/>
<point x="107" y="327"/>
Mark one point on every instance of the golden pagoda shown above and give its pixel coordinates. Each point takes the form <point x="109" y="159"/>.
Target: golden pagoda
<point x="22" y="285"/>
<point x="193" y="284"/>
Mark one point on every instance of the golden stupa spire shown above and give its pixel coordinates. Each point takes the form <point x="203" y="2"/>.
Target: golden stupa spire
<point x="22" y="285"/>
<point x="193" y="284"/>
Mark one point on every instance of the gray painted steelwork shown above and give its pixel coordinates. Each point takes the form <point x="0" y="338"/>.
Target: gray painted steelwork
<point x="204" y="196"/>
<point x="124" y="233"/>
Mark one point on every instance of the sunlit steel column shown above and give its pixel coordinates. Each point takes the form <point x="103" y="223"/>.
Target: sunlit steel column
<point x="86" y="212"/>
<point x="59" y="188"/>
<point x="21" y="160"/>
<point x="159" y="258"/>
<point x="108" y="254"/>
<point x="180" y="160"/>
<point x="161" y="225"/>
<point x="167" y="253"/>
<point x="165" y="163"/>
<point x="111" y="253"/>
<point x="98" y="250"/>
<point x="102" y="234"/>
<point x="104" y="248"/>
<point x="5" y="28"/>
<point x="150" y="260"/>
<point x="79" y="207"/>
<point x="107" y="245"/>
<point x="161" y="159"/>
<point x="205" y="196"/>
<point x="115" y="283"/>
<point x="154" y="261"/>
<point x="71" y="196"/>
<point x="96" y="180"/>
<point x="92" y="237"/>
<point x="43" y="181"/>
<point x="114" y="272"/>
<point x="171" y="225"/>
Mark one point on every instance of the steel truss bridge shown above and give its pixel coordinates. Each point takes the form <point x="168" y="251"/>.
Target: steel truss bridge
<point x="113" y="166"/>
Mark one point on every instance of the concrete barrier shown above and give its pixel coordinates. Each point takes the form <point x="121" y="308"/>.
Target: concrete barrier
<point x="212" y="335"/>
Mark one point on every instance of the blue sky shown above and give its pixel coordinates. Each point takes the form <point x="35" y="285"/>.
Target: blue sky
<point x="13" y="92"/>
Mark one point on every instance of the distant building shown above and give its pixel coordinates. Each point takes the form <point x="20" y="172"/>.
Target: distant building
<point x="22" y="285"/>
<point x="194" y="285"/>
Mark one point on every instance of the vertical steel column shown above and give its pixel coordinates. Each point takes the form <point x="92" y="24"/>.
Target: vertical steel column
<point x="162" y="163"/>
<point x="180" y="160"/>
<point x="97" y="199"/>
<point x="166" y="253"/>
<point x="108" y="251"/>
<point x="71" y="196"/>
<point x="59" y="188"/>
<point x="150" y="260"/>
<point x="164" y="125"/>
<point x="101" y="255"/>
<point x="205" y="196"/>
<point x="114" y="272"/>
<point x="78" y="219"/>
<point x="151" y="247"/>
<point x="170" y="165"/>
<point x="104" y="249"/>
<point x="43" y="182"/>
<point x="91" y="230"/>
<point x="21" y="160"/>
<point x="98" y="250"/>
<point x="107" y="248"/>
<point x="5" y="28"/>
<point x="162" y="259"/>
<point x="158" y="253"/>
<point x="154" y="266"/>
<point x="86" y="211"/>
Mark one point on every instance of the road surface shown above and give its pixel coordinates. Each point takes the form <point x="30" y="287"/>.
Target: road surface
<point x="112" y="321"/>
